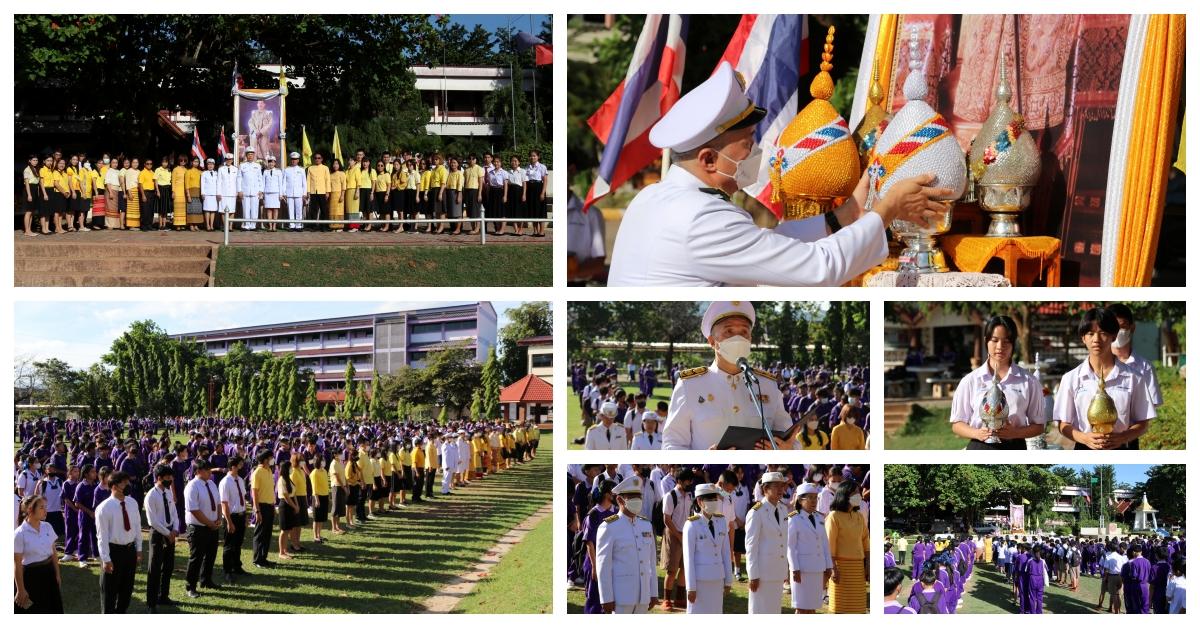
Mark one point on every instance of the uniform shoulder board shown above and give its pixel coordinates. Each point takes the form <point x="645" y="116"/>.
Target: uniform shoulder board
<point x="643" y="518"/>
<point x="693" y="517"/>
<point x="764" y="374"/>
<point x="793" y="513"/>
<point x="612" y="518"/>
<point x="595" y="426"/>
<point x="756" y="506"/>
<point x="721" y="515"/>
<point x="699" y="370"/>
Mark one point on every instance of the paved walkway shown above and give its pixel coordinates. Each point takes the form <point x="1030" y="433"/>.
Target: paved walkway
<point x="448" y="597"/>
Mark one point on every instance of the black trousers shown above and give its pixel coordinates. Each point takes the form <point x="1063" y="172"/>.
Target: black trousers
<point x="202" y="555"/>
<point x="162" y="563"/>
<point x="430" y="474"/>
<point x="148" y="208"/>
<point x="164" y="201"/>
<point x="318" y="207"/>
<point x="231" y="556"/>
<point x="116" y="588"/>
<point x="262" y="532"/>
<point x="418" y="481"/>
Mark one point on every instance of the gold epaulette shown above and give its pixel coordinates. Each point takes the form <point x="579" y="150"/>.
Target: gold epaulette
<point x="643" y="518"/>
<point x="699" y="370"/>
<point x="612" y="518"/>
<point x="764" y="374"/>
<point x="756" y="506"/>
<point x="717" y="514"/>
<point x="693" y="517"/>
<point x="793" y="513"/>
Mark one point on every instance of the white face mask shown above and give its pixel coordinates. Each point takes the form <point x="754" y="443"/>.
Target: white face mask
<point x="833" y="486"/>
<point x="634" y="505"/>
<point x="711" y="507"/>
<point x="812" y="425"/>
<point x="1123" y="338"/>
<point x="734" y="348"/>
<point x="817" y="477"/>
<point x="856" y="500"/>
<point x="746" y="173"/>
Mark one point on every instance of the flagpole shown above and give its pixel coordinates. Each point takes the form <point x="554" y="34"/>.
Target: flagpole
<point x="666" y="162"/>
<point x="535" y="66"/>
<point x="512" y="88"/>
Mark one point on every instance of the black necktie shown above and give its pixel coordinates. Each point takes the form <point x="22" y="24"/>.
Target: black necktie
<point x="712" y="530"/>
<point x="651" y="437"/>
<point x="608" y="433"/>
<point x="812" y="519"/>
<point x="166" y="508"/>
<point x="777" y="515"/>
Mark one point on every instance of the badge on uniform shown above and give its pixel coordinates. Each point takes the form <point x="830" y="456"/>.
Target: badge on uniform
<point x="700" y="399"/>
<point x="646" y="534"/>
<point x="762" y="398"/>
<point x="710" y="396"/>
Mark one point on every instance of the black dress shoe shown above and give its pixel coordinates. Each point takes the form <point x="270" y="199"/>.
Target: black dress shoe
<point x="265" y="565"/>
<point x="210" y="585"/>
<point x="192" y="593"/>
<point x="166" y="601"/>
<point x="229" y="578"/>
<point x="240" y="572"/>
<point x="153" y="610"/>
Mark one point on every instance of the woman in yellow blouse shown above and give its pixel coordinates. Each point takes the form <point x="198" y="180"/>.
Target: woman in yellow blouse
<point x="365" y="180"/>
<point x="337" y="194"/>
<point x="319" y="478"/>
<point x="847" y="434"/>
<point x="350" y="207"/>
<point x="437" y="181"/>
<point x="163" y="191"/>
<point x="60" y="194"/>
<point x="811" y="436"/>
<point x="179" y="194"/>
<point x="849" y="545"/>
<point x="75" y="210"/>
<point x="451" y="201"/>
<point x="354" y="481"/>
<point x="424" y="204"/>
<point x="99" y="198"/>
<point x="380" y="191"/>
<point x="289" y="508"/>
<point x="33" y="194"/>
<point x="396" y="201"/>
<point x="195" y="205"/>
<point x="411" y="186"/>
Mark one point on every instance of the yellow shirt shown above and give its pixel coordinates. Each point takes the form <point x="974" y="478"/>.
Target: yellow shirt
<point x="318" y="179"/>
<point x="473" y="177"/>
<point x="400" y="179"/>
<point x="438" y="179"/>
<point x="47" y="176"/>
<point x="385" y="466"/>
<point x="426" y="179"/>
<point x="365" y="466"/>
<point x="320" y="482"/>
<point x="298" y="485"/>
<point x="162" y="176"/>
<point x="178" y="180"/>
<point x="353" y="475"/>
<point x="454" y="180"/>
<point x="383" y="181"/>
<point x="87" y="182"/>
<point x="431" y="455"/>
<point x="366" y="178"/>
<point x="337" y="472"/>
<point x="337" y="182"/>
<point x="418" y="458"/>
<point x="146" y="179"/>
<point x="848" y="536"/>
<point x="816" y="441"/>
<point x="404" y="458"/>
<point x="262" y="484"/>
<point x="191" y="179"/>
<point x="72" y="179"/>
<point x="846" y="436"/>
<point x="61" y="182"/>
<point x="131" y="180"/>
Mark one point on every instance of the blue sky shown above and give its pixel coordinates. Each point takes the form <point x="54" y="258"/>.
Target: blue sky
<point x="79" y="332"/>
<point x="491" y="22"/>
<point x="1129" y="473"/>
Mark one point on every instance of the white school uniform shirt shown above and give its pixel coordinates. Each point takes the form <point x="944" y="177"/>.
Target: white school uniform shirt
<point x="516" y="177"/>
<point x="675" y="234"/>
<point x="1128" y="392"/>
<point x="227" y="181"/>
<point x="626" y="561"/>
<point x="34" y="546"/>
<point x="1026" y="404"/>
<point x="825" y="500"/>
<point x="250" y="178"/>
<point x="650" y="495"/>
<point x="1145" y="370"/>
<point x="208" y="183"/>
<point x="195" y="497"/>
<point x="808" y="543"/>
<point x="52" y="490"/>
<point x="1113" y="563"/>
<point x="27" y="481"/>
<point x="766" y="541"/>
<point x="156" y="515"/>
<point x="449" y="456"/>
<point x="1177" y="594"/>
<point x="706" y="552"/>
<point x="110" y="526"/>
<point x="295" y="182"/>
<point x="496" y="177"/>
<point x="707" y="401"/>
<point x="535" y="172"/>
<point x="676" y="506"/>
<point x="272" y="181"/>
<point x="232" y="487"/>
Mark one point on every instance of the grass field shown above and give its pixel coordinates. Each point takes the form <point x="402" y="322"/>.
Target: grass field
<point x="385" y="266"/>
<point x="390" y="565"/>
<point x="928" y="427"/>
<point x="574" y="413"/>
<point x="988" y="592"/>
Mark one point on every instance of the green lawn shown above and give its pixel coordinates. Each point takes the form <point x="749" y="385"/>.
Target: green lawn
<point x="574" y="413"/>
<point x="509" y="588"/>
<point x="929" y="427"/>
<point x="988" y="592"/>
<point x="390" y="565"/>
<point x="385" y="266"/>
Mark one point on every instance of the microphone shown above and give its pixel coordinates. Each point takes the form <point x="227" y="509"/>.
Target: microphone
<point x="751" y="381"/>
<point x="747" y="372"/>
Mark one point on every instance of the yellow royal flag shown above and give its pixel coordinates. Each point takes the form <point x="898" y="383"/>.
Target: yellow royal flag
<point x="337" y="146"/>
<point x="305" y="148"/>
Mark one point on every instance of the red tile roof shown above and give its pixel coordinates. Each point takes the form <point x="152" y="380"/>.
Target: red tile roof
<point x="530" y="388"/>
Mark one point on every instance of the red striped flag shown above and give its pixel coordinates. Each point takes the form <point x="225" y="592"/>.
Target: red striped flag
<point x="197" y="149"/>
<point x="223" y="145"/>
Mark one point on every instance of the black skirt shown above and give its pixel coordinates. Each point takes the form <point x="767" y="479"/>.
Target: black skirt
<point x="339" y="500"/>
<point x="495" y="202"/>
<point x="321" y="509"/>
<point x="353" y="495"/>
<point x="534" y="206"/>
<point x="31" y="207"/>
<point x="57" y="204"/>
<point x="1003" y="445"/>
<point x="515" y="207"/>
<point x="288" y="518"/>
<point x="43" y="590"/>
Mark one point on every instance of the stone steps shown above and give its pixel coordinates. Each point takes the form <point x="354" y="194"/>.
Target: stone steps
<point x="79" y="264"/>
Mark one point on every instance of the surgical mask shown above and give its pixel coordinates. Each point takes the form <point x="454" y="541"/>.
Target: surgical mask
<point x="634" y="505"/>
<point x="710" y="506"/>
<point x="817" y="476"/>
<point x="1123" y="338"/>
<point x="746" y="173"/>
<point x="834" y="485"/>
<point x="734" y="348"/>
<point x="812" y="425"/>
<point x="856" y="500"/>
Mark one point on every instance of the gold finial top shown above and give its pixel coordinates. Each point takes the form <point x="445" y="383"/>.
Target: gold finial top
<point x="822" y="83"/>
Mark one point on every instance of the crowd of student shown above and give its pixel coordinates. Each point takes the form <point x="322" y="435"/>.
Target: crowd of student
<point x="90" y="488"/>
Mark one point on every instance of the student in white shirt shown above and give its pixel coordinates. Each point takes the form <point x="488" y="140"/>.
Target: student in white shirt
<point x="119" y="536"/>
<point x="234" y="502"/>
<point x="163" y="518"/>
<point x="201" y="514"/>
<point x="37" y="573"/>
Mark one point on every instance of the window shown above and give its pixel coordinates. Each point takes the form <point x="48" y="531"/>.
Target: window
<point x="541" y="360"/>
<point x="428" y="332"/>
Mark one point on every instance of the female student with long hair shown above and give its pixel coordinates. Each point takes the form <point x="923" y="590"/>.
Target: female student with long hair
<point x="514" y="196"/>
<point x="289" y="508"/>
<point x="33" y="194"/>
<point x="337" y="193"/>
<point x="849" y="545"/>
<point x="1022" y="392"/>
<point x="37" y="577"/>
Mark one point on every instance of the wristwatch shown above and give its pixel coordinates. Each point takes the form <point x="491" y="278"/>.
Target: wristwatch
<point x="832" y="221"/>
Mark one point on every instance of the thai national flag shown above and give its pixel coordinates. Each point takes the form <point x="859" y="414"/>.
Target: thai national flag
<point x="771" y="53"/>
<point x="223" y="145"/>
<point x="197" y="149"/>
<point x="651" y="86"/>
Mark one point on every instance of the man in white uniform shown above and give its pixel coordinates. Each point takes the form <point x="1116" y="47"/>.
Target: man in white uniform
<point x="295" y="190"/>
<point x="449" y="453"/>
<point x="250" y="189"/>
<point x="766" y="546"/>
<point x="808" y="552"/>
<point x="606" y="435"/>
<point x="626" y="572"/>
<point x="1122" y="347"/>
<point x="707" y="564"/>
<point x="684" y="231"/>
<point x="227" y="186"/>
<point x="709" y="399"/>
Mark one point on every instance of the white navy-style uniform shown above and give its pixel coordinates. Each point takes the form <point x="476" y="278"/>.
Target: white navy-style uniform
<point x="599" y="437"/>
<point x="208" y="190"/>
<point x="626" y="560"/>
<point x="706" y="401"/>
<point x="272" y="187"/>
<point x="227" y="189"/>
<point x="766" y="554"/>
<point x="250" y="185"/>
<point x="295" y="186"/>
<point x="707" y="565"/>
<point x="643" y="441"/>
<point x="680" y="232"/>
<point x="808" y="553"/>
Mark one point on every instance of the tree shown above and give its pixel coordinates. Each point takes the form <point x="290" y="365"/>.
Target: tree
<point x="673" y="322"/>
<point x="834" y="330"/>
<point x="524" y="321"/>
<point x="1067" y="474"/>
<point x="310" y="396"/>
<point x="375" y="409"/>
<point x="60" y="383"/>
<point x="453" y="376"/>
<point x="490" y="382"/>
<point x="349" y="385"/>
<point x="1165" y="486"/>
